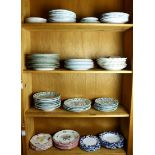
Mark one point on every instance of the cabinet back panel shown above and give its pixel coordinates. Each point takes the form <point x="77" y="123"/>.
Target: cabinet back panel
<point x="79" y="85"/>
<point x="77" y="44"/>
<point x="82" y="8"/>
<point x="84" y="126"/>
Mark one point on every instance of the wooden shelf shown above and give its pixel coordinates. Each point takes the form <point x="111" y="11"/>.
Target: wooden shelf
<point x="60" y="112"/>
<point x="77" y="151"/>
<point x="77" y="26"/>
<point x="92" y="71"/>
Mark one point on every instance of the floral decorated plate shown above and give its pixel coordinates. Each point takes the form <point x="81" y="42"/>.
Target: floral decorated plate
<point x="66" y="137"/>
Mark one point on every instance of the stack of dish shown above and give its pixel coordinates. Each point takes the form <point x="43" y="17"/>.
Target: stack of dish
<point x="114" y="17"/>
<point x="112" y="63"/>
<point x="35" y="20"/>
<point x="89" y="143"/>
<point x="66" y="139"/>
<point x="77" y="104"/>
<point x="41" y="142"/>
<point x="42" y="61"/>
<point x="111" y="140"/>
<point x="47" y="101"/>
<point x="106" y="104"/>
<point x="89" y="20"/>
<point x="61" y="15"/>
<point x="79" y="64"/>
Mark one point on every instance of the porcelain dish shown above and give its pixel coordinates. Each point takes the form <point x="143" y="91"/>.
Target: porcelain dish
<point x="89" y="20"/>
<point x="112" y="63"/>
<point x="35" y="20"/>
<point x="42" y="61"/>
<point x="90" y="143"/>
<point x="41" y="142"/>
<point x="47" y="101"/>
<point x="111" y="140"/>
<point x="79" y="64"/>
<point x="66" y="139"/>
<point x="115" y="17"/>
<point x="106" y="104"/>
<point x="61" y="15"/>
<point x="77" y="104"/>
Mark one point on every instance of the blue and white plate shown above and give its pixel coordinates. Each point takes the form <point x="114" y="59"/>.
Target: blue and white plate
<point x="89" y="143"/>
<point x="77" y="104"/>
<point x="47" y="101"/>
<point x="106" y="104"/>
<point x="111" y="140"/>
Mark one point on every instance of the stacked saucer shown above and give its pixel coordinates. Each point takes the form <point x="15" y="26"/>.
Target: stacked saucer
<point x="115" y="17"/>
<point x="77" y="104"/>
<point x="111" y="140"/>
<point x="79" y="64"/>
<point x="42" y="61"/>
<point x="112" y="63"/>
<point x="106" y="104"/>
<point x="61" y="15"/>
<point x="89" y="20"/>
<point x="89" y="143"/>
<point x="47" y="101"/>
<point x="41" y="142"/>
<point x="66" y="139"/>
<point x="35" y="20"/>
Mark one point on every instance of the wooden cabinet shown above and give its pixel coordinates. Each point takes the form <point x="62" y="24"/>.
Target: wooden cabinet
<point x="77" y="40"/>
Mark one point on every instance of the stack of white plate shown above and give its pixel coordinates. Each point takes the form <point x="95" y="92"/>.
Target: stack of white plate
<point x="77" y="104"/>
<point x="79" y="64"/>
<point x="61" y="15"/>
<point x="112" y="63"/>
<point x="35" y="20"/>
<point x="106" y="104"/>
<point x="89" y="20"/>
<point x="47" y="101"/>
<point x="42" y="61"/>
<point x="114" y="17"/>
<point x="41" y="142"/>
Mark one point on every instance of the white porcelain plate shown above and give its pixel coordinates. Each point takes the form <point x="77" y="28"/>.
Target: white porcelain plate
<point x="35" y="20"/>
